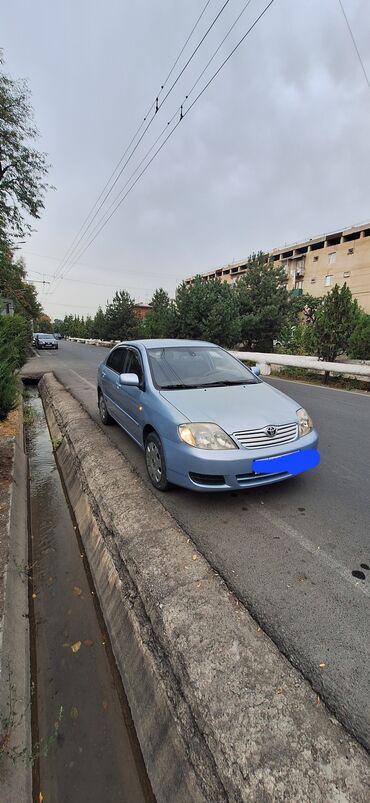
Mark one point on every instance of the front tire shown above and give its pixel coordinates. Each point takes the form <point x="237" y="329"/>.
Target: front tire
<point x="105" y="418"/>
<point x="155" y="462"/>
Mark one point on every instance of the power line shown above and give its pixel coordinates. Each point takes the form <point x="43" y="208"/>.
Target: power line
<point x="354" y="43"/>
<point x="81" y="234"/>
<point x="178" y="110"/>
<point x="222" y="65"/>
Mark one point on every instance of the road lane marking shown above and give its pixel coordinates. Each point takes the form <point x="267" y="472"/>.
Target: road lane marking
<point x="316" y="551"/>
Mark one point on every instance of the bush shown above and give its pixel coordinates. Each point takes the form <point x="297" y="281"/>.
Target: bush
<point x="8" y="388"/>
<point x="15" y="335"/>
<point x="359" y="342"/>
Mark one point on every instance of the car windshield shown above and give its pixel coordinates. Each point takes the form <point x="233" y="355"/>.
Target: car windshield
<point x="47" y="337"/>
<point x="182" y="367"/>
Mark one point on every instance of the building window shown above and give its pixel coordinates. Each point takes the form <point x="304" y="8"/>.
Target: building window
<point x="350" y="251"/>
<point x="316" y="259"/>
<point x="328" y="281"/>
<point x="332" y="257"/>
<point x="346" y="274"/>
<point x="313" y="281"/>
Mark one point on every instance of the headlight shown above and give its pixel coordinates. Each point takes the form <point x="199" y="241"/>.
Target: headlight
<point x="205" y="436"/>
<point x="305" y="424"/>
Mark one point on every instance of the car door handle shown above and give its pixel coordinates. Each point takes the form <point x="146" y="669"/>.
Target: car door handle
<point x="103" y="374"/>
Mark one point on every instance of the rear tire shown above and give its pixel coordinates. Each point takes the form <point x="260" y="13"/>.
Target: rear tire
<point x="155" y="462"/>
<point x="105" y="418"/>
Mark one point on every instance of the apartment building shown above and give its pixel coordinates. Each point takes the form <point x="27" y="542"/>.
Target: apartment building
<point x="315" y="265"/>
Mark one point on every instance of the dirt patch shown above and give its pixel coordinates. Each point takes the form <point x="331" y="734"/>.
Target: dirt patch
<point x="9" y="427"/>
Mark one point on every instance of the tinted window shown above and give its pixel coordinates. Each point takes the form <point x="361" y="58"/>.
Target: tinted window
<point x="133" y="365"/>
<point x="196" y="366"/>
<point x="116" y="360"/>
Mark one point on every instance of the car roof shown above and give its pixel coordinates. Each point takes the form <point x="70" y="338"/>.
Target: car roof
<point x="165" y="343"/>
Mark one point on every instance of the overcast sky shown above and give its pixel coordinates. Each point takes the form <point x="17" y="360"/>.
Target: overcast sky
<point x="276" y="150"/>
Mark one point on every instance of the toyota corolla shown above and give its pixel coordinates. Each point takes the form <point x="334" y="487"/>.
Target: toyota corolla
<point x="203" y="419"/>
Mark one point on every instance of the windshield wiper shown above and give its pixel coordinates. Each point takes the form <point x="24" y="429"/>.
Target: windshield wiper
<point x="177" y="387"/>
<point x="226" y="382"/>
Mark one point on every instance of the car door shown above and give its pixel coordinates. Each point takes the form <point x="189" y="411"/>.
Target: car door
<point x="132" y="399"/>
<point x="110" y="372"/>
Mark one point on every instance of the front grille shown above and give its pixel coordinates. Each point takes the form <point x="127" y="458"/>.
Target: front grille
<point x="258" y="438"/>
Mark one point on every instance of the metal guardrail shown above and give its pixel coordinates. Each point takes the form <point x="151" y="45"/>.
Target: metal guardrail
<point x="265" y="360"/>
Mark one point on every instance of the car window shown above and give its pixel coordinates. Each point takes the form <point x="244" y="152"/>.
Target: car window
<point x="116" y="360"/>
<point x="133" y="364"/>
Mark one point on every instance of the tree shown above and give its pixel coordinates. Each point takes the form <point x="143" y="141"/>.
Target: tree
<point x="207" y="311"/>
<point x="43" y="324"/>
<point x="296" y="335"/>
<point x="263" y="303"/>
<point x="335" y="321"/>
<point x="120" y="319"/>
<point x="23" y="169"/>
<point x="98" y="325"/>
<point x="159" y="321"/>
<point x="359" y="342"/>
<point x="13" y="284"/>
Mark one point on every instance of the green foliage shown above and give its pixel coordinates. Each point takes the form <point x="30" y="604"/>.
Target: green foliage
<point x="120" y="318"/>
<point x="15" y="336"/>
<point x="15" y="339"/>
<point x="207" y="311"/>
<point x="22" y="168"/>
<point x="98" y="325"/>
<point x="335" y="321"/>
<point x="160" y="321"/>
<point x="13" y="283"/>
<point x="263" y="303"/>
<point x="297" y="334"/>
<point x="359" y="342"/>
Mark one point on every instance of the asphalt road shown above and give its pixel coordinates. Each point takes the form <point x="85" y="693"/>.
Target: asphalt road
<point x="287" y="551"/>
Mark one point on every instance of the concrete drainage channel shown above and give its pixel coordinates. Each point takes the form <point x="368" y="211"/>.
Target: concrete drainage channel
<point x="219" y="713"/>
<point x="84" y="743"/>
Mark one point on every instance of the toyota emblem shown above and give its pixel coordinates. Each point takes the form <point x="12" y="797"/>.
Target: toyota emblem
<point x="270" y="432"/>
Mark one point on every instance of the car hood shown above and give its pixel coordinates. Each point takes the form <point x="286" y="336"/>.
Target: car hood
<point x="234" y="407"/>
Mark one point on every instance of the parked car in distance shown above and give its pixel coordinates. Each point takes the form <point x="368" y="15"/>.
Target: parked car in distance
<point x="45" y="341"/>
<point x="58" y="336"/>
<point x="204" y="420"/>
<point x="34" y="338"/>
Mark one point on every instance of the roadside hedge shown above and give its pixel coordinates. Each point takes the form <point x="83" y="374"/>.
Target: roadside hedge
<point x="15" y="338"/>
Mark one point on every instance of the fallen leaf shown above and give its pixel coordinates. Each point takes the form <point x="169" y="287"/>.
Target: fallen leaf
<point x="77" y="591"/>
<point x="279" y="691"/>
<point x="76" y="646"/>
<point x="194" y="557"/>
<point x="41" y="797"/>
<point x="322" y="666"/>
<point x="318" y="700"/>
<point x="73" y="712"/>
<point x="66" y="644"/>
<point x="34" y="596"/>
<point x="87" y="642"/>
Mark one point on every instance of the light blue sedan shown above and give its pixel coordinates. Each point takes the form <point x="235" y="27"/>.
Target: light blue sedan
<point x="204" y="420"/>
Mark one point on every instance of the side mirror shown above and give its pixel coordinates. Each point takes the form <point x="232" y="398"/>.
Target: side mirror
<point x="256" y="370"/>
<point x="132" y="380"/>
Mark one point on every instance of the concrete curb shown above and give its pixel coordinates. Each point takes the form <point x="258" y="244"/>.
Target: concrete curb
<point x="16" y="777"/>
<point x="220" y="714"/>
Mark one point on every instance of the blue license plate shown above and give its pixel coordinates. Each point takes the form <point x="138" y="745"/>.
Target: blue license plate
<point x="294" y="463"/>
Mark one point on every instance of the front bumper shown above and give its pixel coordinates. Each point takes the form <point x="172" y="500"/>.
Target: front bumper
<point x="203" y="470"/>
